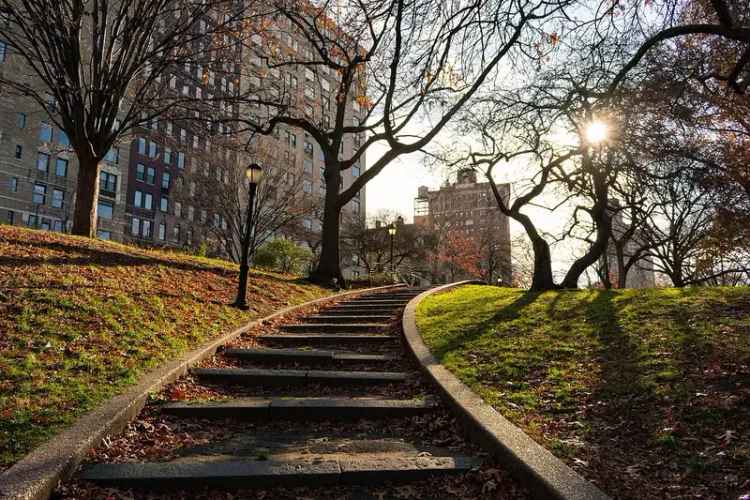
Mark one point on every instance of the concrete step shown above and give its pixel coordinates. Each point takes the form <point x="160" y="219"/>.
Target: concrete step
<point x="334" y="327"/>
<point x="359" y="311"/>
<point x="302" y="408"/>
<point x="255" y="376"/>
<point x="324" y="317"/>
<point x="384" y="300"/>
<point x="364" y="308"/>
<point x="313" y="339"/>
<point x="306" y="356"/>
<point x="245" y="473"/>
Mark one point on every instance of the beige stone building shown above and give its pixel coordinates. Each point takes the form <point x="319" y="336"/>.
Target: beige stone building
<point x="466" y="210"/>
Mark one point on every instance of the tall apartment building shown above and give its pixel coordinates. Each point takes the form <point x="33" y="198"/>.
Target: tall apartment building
<point x="38" y="172"/>
<point x="468" y="208"/>
<point x="153" y="185"/>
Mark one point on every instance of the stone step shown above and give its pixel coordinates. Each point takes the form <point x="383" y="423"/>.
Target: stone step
<point x="364" y="307"/>
<point x="359" y="311"/>
<point x="334" y="327"/>
<point x="312" y="339"/>
<point x="254" y="376"/>
<point x="244" y="473"/>
<point x="306" y="356"/>
<point x="324" y="317"/>
<point x="368" y="300"/>
<point x="302" y="408"/>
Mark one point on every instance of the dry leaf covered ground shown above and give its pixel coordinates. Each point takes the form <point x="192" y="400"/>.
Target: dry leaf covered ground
<point x="644" y="392"/>
<point x="81" y="319"/>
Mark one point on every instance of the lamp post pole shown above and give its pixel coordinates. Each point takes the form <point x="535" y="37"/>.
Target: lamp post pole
<point x="392" y="234"/>
<point x="254" y="174"/>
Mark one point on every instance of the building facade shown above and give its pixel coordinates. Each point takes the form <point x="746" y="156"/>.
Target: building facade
<point x="466" y="213"/>
<point x="157" y="187"/>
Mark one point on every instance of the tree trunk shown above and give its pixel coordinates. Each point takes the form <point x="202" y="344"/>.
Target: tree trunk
<point x="87" y="194"/>
<point x="542" y="279"/>
<point x="622" y="269"/>
<point x="603" y="221"/>
<point x="329" y="264"/>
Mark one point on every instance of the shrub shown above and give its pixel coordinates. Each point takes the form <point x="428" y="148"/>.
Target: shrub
<point x="283" y="255"/>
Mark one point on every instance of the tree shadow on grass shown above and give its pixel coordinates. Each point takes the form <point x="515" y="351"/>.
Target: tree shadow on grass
<point x="508" y="313"/>
<point x="85" y="256"/>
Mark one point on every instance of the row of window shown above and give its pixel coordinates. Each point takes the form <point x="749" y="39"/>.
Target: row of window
<point x="151" y="149"/>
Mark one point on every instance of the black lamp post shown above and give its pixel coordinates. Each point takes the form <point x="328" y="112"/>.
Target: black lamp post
<point x="254" y="175"/>
<point x="392" y="234"/>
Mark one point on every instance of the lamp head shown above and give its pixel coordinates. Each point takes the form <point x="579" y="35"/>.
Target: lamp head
<point x="254" y="173"/>
<point x="392" y="229"/>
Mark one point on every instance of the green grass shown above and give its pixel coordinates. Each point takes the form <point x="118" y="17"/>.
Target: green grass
<point x="611" y="379"/>
<point x="83" y="319"/>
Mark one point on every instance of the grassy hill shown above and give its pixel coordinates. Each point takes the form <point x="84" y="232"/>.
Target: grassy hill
<point x="81" y="319"/>
<point x="645" y="392"/>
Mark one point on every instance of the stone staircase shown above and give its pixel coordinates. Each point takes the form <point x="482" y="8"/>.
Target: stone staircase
<point x="308" y="404"/>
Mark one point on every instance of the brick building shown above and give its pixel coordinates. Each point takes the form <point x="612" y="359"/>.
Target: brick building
<point x="153" y="185"/>
<point x="467" y="209"/>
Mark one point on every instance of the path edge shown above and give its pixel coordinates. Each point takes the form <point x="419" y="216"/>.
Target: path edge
<point x="545" y="475"/>
<point x="37" y="474"/>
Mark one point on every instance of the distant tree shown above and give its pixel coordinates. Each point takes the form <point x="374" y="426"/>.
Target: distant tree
<point x="459" y="256"/>
<point x="370" y="241"/>
<point x="100" y="68"/>
<point x="279" y="209"/>
<point x="283" y="255"/>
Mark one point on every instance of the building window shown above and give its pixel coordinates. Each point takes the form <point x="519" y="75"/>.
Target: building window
<point x="146" y="228"/>
<point x="42" y="162"/>
<point x="176" y="233"/>
<point x="307" y="165"/>
<point x="105" y="209"/>
<point x="164" y="204"/>
<point x="11" y="217"/>
<point x="167" y="156"/>
<point x="45" y="132"/>
<point x="113" y="155"/>
<point x="162" y="231"/>
<point x="45" y="225"/>
<point x="141" y="146"/>
<point x="21" y="120"/>
<point x="104" y="235"/>
<point x="307" y="223"/>
<point x="3" y="51"/>
<point x="57" y="226"/>
<point x="61" y="167"/>
<point x="291" y="139"/>
<point x="355" y="171"/>
<point x="108" y="183"/>
<point x="135" y="226"/>
<point x="140" y="172"/>
<point x="32" y="221"/>
<point x="166" y="179"/>
<point x="177" y="209"/>
<point x="14" y="184"/>
<point x="180" y="159"/>
<point x="307" y="186"/>
<point x="19" y="151"/>
<point x="58" y="198"/>
<point x="309" y="149"/>
<point x="40" y="194"/>
<point x="152" y="150"/>
<point x="63" y="139"/>
<point x="150" y="175"/>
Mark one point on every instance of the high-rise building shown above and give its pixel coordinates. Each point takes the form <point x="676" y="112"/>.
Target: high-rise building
<point x="154" y="185"/>
<point x="467" y="210"/>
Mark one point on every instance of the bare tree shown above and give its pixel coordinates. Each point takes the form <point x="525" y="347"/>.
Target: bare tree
<point x="103" y="67"/>
<point x="411" y="66"/>
<point x="280" y="205"/>
<point x="370" y="241"/>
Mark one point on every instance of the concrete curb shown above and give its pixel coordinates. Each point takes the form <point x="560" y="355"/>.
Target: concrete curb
<point x="36" y="475"/>
<point x="539" y="470"/>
